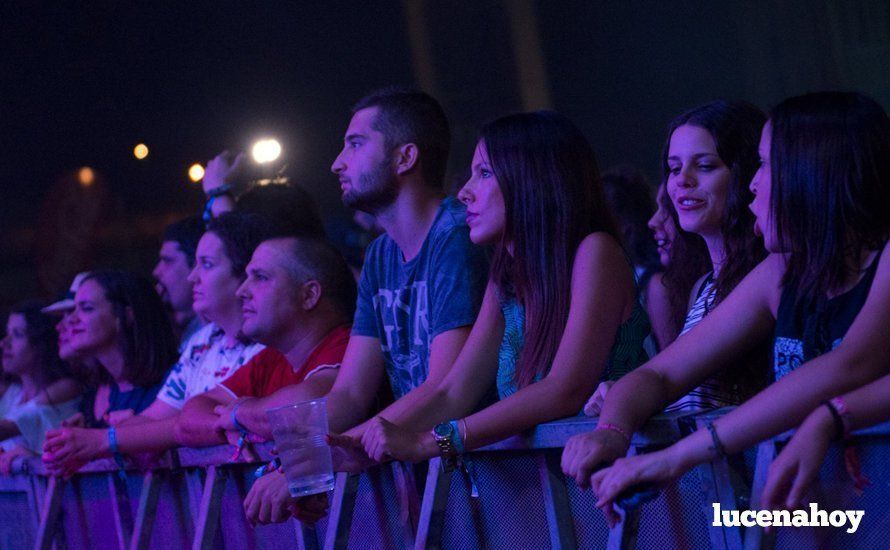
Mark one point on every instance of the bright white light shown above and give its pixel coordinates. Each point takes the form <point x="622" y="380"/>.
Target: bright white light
<point x="196" y="172"/>
<point x="266" y="150"/>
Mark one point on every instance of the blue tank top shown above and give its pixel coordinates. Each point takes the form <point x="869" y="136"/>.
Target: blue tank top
<point x="627" y="351"/>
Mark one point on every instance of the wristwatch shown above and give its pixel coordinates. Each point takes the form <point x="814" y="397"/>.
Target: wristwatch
<point x="443" y="433"/>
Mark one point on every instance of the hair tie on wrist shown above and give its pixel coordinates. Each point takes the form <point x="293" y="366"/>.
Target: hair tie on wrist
<point x="839" y="430"/>
<point x="614" y="428"/>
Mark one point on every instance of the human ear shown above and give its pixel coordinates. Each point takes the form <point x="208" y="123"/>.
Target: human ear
<point x="407" y="157"/>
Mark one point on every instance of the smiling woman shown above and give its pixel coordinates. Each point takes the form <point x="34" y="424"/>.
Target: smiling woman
<point x="709" y="160"/>
<point x="119" y="322"/>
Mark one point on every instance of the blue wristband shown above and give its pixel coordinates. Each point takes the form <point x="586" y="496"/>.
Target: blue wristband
<point x="116" y="453"/>
<point x="456" y="440"/>
<point x="238" y="425"/>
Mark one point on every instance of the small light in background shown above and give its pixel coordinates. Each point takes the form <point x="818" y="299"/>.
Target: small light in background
<point x="140" y="151"/>
<point x="85" y="176"/>
<point x="266" y="150"/>
<point x="196" y="172"/>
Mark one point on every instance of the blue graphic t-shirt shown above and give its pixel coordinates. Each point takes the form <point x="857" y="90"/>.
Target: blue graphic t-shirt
<point x="407" y="304"/>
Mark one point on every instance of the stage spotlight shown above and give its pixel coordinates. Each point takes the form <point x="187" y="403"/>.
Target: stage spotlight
<point x="140" y="151"/>
<point x="86" y="177"/>
<point x="266" y="150"/>
<point x="196" y="172"/>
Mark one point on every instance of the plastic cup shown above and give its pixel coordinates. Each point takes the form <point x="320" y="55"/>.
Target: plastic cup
<point x="299" y="431"/>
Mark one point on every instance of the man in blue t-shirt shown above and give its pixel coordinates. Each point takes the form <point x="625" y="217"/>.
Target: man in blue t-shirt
<point x="422" y="282"/>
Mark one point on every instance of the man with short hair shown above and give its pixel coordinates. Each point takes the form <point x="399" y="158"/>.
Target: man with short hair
<point x="298" y="300"/>
<point x="422" y="282"/>
<point x="175" y="261"/>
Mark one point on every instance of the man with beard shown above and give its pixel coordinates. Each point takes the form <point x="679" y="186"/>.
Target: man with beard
<point x="175" y="261"/>
<point x="421" y="285"/>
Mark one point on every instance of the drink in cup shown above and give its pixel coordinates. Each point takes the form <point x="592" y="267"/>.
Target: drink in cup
<point x="299" y="431"/>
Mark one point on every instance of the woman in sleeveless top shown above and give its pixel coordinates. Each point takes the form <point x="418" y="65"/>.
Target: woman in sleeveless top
<point x="709" y="159"/>
<point x="821" y="196"/>
<point x="560" y="312"/>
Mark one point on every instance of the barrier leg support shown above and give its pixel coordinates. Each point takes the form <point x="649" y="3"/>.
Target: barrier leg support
<point x="145" y="514"/>
<point x="432" y="510"/>
<point x="211" y="501"/>
<point x="556" y="501"/>
<point x="345" y="487"/>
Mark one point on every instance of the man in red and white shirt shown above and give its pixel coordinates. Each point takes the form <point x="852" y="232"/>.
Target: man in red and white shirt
<point x="298" y="300"/>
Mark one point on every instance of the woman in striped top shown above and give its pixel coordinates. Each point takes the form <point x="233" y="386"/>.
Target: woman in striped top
<point x="709" y="158"/>
<point x="821" y="198"/>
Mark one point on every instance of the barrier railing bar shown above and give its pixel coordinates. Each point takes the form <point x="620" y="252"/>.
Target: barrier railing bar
<point x="409" y="501"/>
<point x="755" y="537"/>
<point x="340" y="518"/>
<point x="624" y="535"/>
<point x="49" y="517"/>
<point x="120" y="507"/>
<point x="194" y="486"/>
<point x="306" y="536"/>
<point x="721" y="485"/>
<point x="145" y="514"/>
<point x="556" y="501"/>
<point x="46" y="496"/>
<point x="432" y="507"/>
<point x="211" y="501"/>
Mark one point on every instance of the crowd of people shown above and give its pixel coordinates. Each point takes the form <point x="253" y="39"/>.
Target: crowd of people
<point x="754" y="278"/>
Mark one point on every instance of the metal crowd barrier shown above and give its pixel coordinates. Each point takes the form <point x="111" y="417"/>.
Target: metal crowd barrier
<point x="193" y="497"/>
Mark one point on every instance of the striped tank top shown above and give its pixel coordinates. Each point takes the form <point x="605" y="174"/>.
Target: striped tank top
<point x="713" y="393"/>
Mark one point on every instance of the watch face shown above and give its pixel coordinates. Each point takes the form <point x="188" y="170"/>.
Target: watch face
<point x="443" y="429"/>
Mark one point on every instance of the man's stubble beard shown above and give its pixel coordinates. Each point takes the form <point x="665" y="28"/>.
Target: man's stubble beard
<point x="377" y="189"/>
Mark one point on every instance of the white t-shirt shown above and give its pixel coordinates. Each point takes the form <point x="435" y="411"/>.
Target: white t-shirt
<point x="205" y="362"/>
<point x="32" y="418"/>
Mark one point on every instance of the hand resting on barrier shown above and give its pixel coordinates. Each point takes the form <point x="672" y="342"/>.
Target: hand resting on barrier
<point x="269" y="500"/>
<point x="382" y="440"/>
<point x="66" y="450"/>
<point x="797" y="466"/>
<point x="587" y="452"/>
<point x="651" y="470"/>
<point x="8" y="457"/>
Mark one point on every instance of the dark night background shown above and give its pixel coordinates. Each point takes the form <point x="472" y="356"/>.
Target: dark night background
<point x="82" y="83"/>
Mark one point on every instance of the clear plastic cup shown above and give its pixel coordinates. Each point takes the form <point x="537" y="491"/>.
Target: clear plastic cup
<point x="299" y="431"/>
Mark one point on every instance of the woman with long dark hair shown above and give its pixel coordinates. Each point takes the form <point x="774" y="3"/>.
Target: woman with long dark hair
<point x="213" y="353"/>
<point x="560" y="312"/>
<point x="119" y="322"/>
<point x="821" y="198"/>
<point x="709" y="157"/>
<point x="41" y="393"/>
